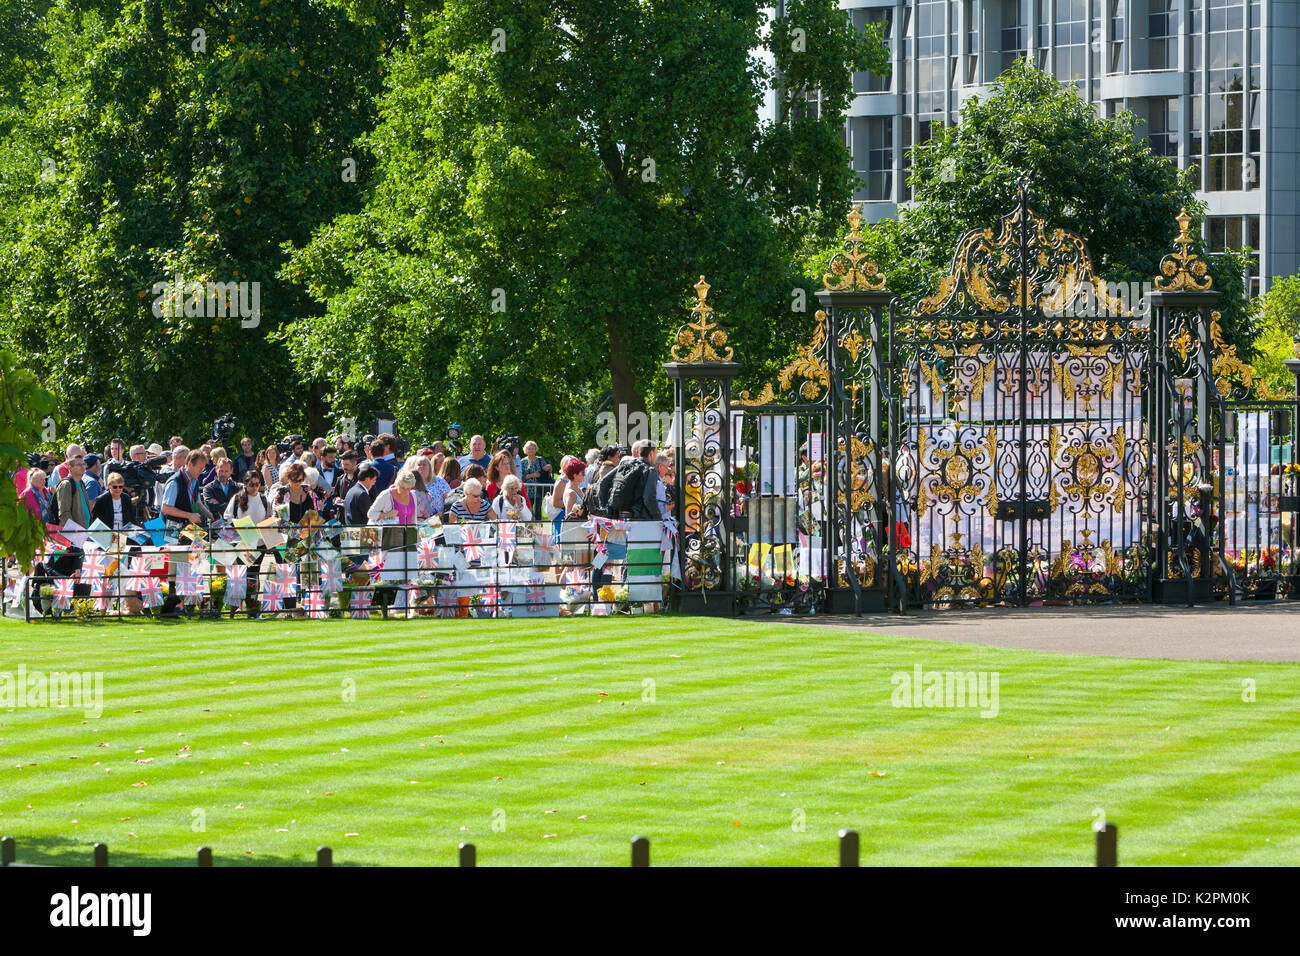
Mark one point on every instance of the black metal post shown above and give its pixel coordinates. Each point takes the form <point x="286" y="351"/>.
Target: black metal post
<point x="205" y="856"/>
<point x="1107" y="845"/>
<point x="467" y="855"/>
<point x="640" y="851"/>
<point x="849" y="846"/>
<point x="101" y="854"/>
<point x="7" y="851"/>
<point x="324" y="856"/>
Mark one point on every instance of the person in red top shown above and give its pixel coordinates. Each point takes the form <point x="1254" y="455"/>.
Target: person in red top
<point x="73" y="452"/>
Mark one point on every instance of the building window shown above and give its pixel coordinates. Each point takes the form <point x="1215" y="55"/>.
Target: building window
<point x="880" y="158"/>
<point x="1162" y="125"/>
<point x="1015" y="31"/>
<point x="1071" y="31"/>
<point x="1117" y="62"/>
<point x="931" y="72"/>
<point x="868" y="81"/>
<point x="1162" y="34"/>
<point x="1226" y="119"/>
<point x="1233" y="234"/>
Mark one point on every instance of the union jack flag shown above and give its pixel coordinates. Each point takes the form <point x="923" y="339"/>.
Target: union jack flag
<point x="286" y="575"/>
<point x="137" y="574"/>
<point x="151" y="594"/>
<point x="359" y="606"/>
<point x="472" y="541"/>
<point x="375" y="565"/>
<point x="577" y="577"/>
<point x="94" y="567"/>
<point x="331" y="577"/>
<point x="272" y="596"/>
<point x="197" y="553"/>
<point x="427" y="553"/>
<point x="446" y="603"/>
<point x="236" y="584"/>
<point x="492" y="601"/>
<point x="535" y="596"/>
<point x="63" y="593"/>
<point x="506" y="536"/>
<point x="314" y="602"/>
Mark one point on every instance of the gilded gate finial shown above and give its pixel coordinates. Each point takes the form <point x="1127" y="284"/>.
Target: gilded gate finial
<point x="851" y="270"/>
<point x="698" y="340"/>
<point x="1183" y="270"/>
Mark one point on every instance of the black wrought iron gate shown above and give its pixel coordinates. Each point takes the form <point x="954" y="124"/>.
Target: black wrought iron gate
<point x="1029" y="433"/>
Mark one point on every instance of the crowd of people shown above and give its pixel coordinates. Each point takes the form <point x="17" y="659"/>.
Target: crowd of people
<point x="353" y="483"/>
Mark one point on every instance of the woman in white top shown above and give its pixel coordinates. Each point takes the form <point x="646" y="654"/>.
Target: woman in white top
<point x="250" y="502"/>
<point x="554" y="503"/>
<point x="511" y="505"/>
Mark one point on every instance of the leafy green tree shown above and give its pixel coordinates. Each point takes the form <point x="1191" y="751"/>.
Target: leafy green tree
<point x="22" y="404"/>
<point x="552" y="177"/>
<point x="1278" y="321"/>
<point x="1088" y="174"/>
<point x="170" y="138"/>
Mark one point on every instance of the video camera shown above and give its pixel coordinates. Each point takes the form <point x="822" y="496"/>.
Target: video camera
<point x="139" y="476"/>
<point x="223" y="428"/>
<point x="509" y="443"/>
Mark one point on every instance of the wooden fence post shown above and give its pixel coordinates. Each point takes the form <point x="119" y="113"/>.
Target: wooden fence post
<point x="1108" y="845"/>
<point x="848" y="848"/>
<point x="7" y="851"/>
<point x="468" y="855"/>
<point x="324" y="856"/>
<point x="205" y="856"/>
<point x="640" y="851"/>
<point x="101" y="854"/>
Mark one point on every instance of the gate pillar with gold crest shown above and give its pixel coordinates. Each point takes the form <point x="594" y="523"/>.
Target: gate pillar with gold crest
<point x="702" y="372"/>
<point x="855" y="303"/>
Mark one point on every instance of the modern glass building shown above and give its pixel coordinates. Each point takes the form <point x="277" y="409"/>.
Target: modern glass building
<point x="1215" y="83"/>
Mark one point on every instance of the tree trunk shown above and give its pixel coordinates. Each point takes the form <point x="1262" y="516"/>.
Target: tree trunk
<point x="317" y="422"/>
<point x="622" y="379"/>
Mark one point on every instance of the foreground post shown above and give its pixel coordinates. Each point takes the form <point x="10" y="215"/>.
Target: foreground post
<point x="324" y="856"/>
<point x="640" y="851"/>
<point x="7" y="851"/>
<point x="468" y="855"/>
<point x="101" y="854"/>
<point x="848" y="848"/>
<point x="205" y="856"/>
<point x="1108" y="845"/>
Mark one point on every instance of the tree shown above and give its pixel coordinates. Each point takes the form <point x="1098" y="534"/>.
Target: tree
<point x="552" y="178"/>
<point x="22" y="404"/>
<point x="1088" y="174"/>
<point x="166" y="138"/>
<point x="1277" y="315"/>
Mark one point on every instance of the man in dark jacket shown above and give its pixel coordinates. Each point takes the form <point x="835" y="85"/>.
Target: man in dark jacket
<point x="356" y="506"/>
<point x="385" y="470"/>
<point x="218" y="492"/>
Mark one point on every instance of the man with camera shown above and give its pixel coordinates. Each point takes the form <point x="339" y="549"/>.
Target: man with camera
<point x="181" y="503"/>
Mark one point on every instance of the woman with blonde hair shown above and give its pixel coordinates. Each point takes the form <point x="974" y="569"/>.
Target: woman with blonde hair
<point x="268" y="463"/>
<point x="554" y="502"/>
<point x="473" y="507"/>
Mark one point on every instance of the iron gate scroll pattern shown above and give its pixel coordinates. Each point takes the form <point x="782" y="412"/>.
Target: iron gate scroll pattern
<point x="1018" y="430"/>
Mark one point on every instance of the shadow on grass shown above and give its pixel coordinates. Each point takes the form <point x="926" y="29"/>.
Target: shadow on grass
<point x="61" y="851"/>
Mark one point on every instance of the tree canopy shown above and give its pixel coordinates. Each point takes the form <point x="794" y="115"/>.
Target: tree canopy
<point x="551" y="179"/>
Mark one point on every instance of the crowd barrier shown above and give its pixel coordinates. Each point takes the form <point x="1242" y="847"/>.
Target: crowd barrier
<point x="598" y="566"/>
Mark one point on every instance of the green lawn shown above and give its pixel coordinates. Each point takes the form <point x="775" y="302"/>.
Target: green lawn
<point x="545" y="727"/>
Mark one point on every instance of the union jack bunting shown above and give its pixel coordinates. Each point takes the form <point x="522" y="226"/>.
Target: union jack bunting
<point x="93" y="567"/>
<point x="492" y="600"/>
<point x="427" y="554"/>
<point x="314" y="602"/>
<point x="272" y="596"/>
<point x="577" y="577"/>
<point x="287" y="576"/>
<point x="506" y="536"/>
<point x="445" y="601"/>
<point x="331" y="577"/>
<point x="359" y="606"/>
<point x="63" y="593"/>
<point x="472" y="540"/>
<point x="198" y="553"/>
<point x="535" y="597"/>
<point x="151" y="595"/>
<point x="236" y="584"/>
<point x="137" y="574"/>
<point x="375" y="565"/>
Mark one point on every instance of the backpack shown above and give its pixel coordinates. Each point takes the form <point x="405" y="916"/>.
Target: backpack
<point x="628" y="486"/>
<point x="591" y="499"/>
<point x="52" y="509"/>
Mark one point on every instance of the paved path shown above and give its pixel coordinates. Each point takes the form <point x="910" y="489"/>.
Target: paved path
<point x="1263" y="631"/>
